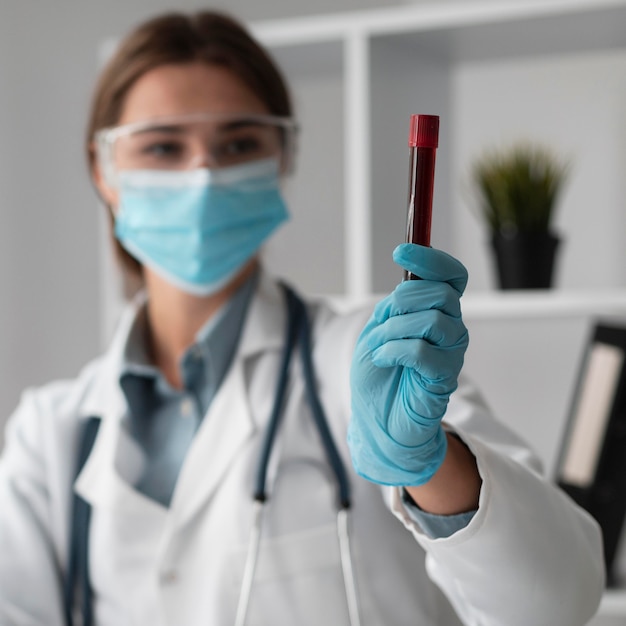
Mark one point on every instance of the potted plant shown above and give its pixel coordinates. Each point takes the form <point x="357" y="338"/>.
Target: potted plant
<point x="517" y="192"/>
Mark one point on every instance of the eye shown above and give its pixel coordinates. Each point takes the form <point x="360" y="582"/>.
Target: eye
<point x="163" y="149"/>
<point x="153" y="149"/>
<point x="238" y="147"/>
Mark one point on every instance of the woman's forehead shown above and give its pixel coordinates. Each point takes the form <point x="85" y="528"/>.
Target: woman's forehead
<point x="173" y="90"/>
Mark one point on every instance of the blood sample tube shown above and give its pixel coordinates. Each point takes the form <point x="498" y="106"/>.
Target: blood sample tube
<point x="423" y="142"/>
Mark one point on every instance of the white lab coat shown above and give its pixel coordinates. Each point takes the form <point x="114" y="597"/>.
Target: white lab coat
<point x="529" y="557"/>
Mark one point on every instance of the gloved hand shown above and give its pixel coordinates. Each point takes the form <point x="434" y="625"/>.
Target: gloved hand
<point x="405" y="366"/>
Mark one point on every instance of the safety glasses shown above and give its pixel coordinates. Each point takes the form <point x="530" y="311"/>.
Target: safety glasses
<point x="195" y="140"/>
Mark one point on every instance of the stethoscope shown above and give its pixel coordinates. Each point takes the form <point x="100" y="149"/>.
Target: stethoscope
<point x="298" y="333"/>
<point x="77" y="584"/>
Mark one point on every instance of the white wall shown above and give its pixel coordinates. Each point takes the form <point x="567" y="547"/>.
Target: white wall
<point x="313" y="239"/>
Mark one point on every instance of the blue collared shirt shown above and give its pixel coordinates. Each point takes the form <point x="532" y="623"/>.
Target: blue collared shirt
<point x="163" y="420"/>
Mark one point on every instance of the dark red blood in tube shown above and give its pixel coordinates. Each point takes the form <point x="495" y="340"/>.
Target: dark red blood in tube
<point x="423" y="142"/>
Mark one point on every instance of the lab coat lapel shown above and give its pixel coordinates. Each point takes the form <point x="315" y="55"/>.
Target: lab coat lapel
<point x="230" y="422"/>
<point x="223" y="432"/>
<point x="99" y="483"/>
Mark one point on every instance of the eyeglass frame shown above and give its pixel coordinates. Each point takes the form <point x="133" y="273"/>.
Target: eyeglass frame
<point x="105" y="137"/>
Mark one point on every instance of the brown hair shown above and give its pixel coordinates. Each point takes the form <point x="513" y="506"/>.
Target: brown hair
<point x="206" y="36"/>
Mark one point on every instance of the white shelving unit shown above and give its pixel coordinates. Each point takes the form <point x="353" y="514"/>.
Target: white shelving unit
<point x="549" y="69"/>
<point x="357" y="78"/>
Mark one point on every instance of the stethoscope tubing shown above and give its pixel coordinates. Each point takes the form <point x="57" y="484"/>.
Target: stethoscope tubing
<point x="298" y="332"/>
<point x="349" y="579"/>
<point x="293" y="322"/>
<point x="251" y="560"/>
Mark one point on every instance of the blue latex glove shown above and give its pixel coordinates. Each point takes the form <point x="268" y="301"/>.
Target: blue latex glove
<point x="405" y="366"/>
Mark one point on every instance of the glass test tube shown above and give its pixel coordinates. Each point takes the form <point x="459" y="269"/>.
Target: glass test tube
<point x="423" y="142"/>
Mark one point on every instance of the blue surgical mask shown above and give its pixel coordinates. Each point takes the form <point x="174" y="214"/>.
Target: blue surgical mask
<point x="197" y="228"/>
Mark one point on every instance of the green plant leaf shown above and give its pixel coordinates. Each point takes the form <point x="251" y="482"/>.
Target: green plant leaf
<point x="518" y="188"/>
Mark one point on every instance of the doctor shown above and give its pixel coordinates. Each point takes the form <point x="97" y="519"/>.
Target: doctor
<point x="391" y="497"/>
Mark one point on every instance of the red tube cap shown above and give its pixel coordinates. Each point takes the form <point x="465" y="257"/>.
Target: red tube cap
<point x="424" y="131"/>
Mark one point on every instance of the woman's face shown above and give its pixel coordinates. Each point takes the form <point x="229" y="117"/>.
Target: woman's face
<point x="201" y="91"/>
<point x="180" y="89"/>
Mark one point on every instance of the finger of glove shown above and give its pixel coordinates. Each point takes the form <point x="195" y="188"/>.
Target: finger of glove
<point x="433" y="326"/>
<point x="431" y="264"/>
<point x="418" y="295"/>
<point x="437" y="368"/>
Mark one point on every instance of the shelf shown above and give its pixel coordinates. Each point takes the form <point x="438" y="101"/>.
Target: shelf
<point x="613" y="603"/>
<point x="543" y="304"/>
<point x="523" y="305"/>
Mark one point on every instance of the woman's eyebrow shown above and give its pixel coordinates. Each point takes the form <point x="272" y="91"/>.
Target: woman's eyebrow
<point x="165" y="128"/>
<point x="236" y="124"/>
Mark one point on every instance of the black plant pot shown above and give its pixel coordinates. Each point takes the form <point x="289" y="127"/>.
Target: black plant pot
<point x="525" y="260"/>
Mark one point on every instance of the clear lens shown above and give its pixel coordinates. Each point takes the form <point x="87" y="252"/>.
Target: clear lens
<point x="198" y="140"/>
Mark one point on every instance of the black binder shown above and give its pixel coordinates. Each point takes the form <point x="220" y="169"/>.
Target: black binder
<point x="592" y="461"/>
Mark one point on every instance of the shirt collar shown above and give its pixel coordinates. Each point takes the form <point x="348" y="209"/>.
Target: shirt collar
<point x="203" y="365"/>
<point x="263" y="330"/>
